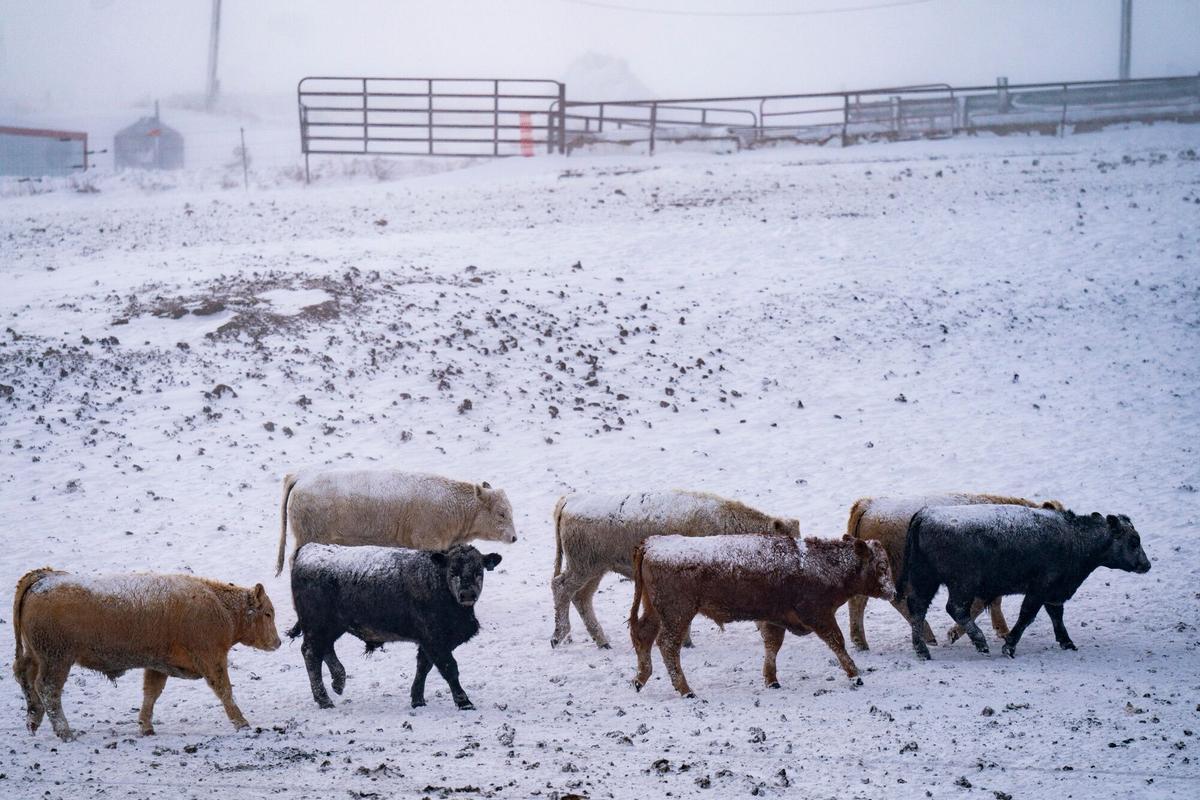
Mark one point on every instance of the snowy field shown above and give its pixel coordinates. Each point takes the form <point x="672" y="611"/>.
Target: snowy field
<point x="794" y="328"/>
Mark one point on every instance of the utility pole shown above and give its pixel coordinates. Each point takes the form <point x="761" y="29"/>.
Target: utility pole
<point x="1126" y="35"/>
<point x="214" y="36"/>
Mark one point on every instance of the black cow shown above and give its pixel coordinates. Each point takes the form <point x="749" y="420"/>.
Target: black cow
<point x="988" y="551"/>
<point x="387" y="594"/>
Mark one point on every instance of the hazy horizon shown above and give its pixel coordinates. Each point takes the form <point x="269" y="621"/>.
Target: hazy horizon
<point x="96" y="53"/>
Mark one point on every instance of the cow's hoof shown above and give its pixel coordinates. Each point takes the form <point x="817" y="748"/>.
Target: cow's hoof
<point x="32" y="726"/>
<point x="861" y="647"/>
<point x="689" y="696"/>
<point x="982" y="649"/>
<point x="148" y="731"/>
<point x="68" y="736"/>
<point x="637" y="685"/>
<point x="325" y="702"/>
<point x="688" y="643"/>
<point x="922" y="653"/>
<point x="604" y="645"/>
<point x="241" y="724"/>
<point x="774" y="685"/>
<point x="1009" y="650"/>
<point x="855" y="682"/>
<point x="1068" y="645"/>
<point x="417" y="702"/>
<point x="953" y="635"/>
<point x="465" y="705"/>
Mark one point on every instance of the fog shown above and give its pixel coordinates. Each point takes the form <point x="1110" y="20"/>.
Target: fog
<point x="95" y="53"/>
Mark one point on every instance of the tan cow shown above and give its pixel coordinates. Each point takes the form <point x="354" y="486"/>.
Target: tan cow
<point x="885" y="519"/>
<point x="390" y="508"/>
<point x="175" y="626"/>
<point x="598" y="533"/>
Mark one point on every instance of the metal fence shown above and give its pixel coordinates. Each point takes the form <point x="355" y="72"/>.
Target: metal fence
<point x="890" y="113"/>
<point x="468" y="117"/>
<point x="429" y="116"/>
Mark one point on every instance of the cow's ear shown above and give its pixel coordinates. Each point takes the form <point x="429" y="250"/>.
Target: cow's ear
<point x="861" y="548"/>
<point x="439" y="558"/>
<point x="486" y="485"/>
<point x="1050" y="505"/>
<point x="1095" y="515"/>
<point x="257" y="595"/>
<point x="1115" y="525"/>
<point x="491" y="560"/>
<point x="777" y="526"/>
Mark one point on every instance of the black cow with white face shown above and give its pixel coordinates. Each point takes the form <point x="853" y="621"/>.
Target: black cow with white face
<point x="988" y="551"/>
<point x="387" y="594"/>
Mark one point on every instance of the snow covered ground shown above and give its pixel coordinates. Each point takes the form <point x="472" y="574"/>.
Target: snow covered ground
<point x="794" y="328"/>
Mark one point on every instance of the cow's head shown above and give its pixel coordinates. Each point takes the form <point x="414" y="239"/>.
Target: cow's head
<point x="260" y="630"/>
<point x="874" y="569"/>
<point x="1125" y="546"/>
<point x="463" y="567"/>
<point x="494" y="520"/>
<point x="789" y="526"/>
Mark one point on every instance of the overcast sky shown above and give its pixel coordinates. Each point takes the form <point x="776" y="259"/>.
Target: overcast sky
<point x="93" y="52"/>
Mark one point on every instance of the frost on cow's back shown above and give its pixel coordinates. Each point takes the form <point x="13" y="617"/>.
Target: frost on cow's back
<point x="383" y="485"/>
<point x="362" y="561"/>
<point x="133" y="587"/>
<point x="643" y="506"/>
<point x="766" y="553"/>
<point x="901" y="509"/>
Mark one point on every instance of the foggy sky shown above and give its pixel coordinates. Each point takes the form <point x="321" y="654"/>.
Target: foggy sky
<point x="95" y="52"/>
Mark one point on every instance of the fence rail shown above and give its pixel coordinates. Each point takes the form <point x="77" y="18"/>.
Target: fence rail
<point x="428" y="116"/>
<point x="503" y="117"/>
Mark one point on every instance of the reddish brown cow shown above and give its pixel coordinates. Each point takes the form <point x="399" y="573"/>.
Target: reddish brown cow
<point x="175" y="626"/>
<point x="784" y="584"/>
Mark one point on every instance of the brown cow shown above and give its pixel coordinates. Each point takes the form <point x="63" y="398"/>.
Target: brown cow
<point x="885" y="520"/>
<point x="169" y="625"/>
<point x="783" y="583"/>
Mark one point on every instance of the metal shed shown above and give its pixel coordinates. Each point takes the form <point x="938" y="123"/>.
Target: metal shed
<point x="148" y="144"/>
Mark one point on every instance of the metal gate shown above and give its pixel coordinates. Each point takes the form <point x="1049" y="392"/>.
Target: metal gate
<point x="460" y="117"/>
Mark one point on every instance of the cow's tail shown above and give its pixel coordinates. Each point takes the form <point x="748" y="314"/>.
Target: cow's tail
<point x="911" y="543"/>
<point x="296" y="629"/>
<point x="289" y="481"/>
<point x="23" y="586"/>
<point x="639" y="553"/>
<point x="558" y="510"/>
<point x="856" y="514"/>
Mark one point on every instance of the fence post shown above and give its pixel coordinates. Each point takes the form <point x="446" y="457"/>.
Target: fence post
<point x="429" y="110"/>
<point x="562" y="118"/>
<point x="895" y="101"/>
<point x="845" y="119"/>
<point x="1062" y="126"/>
<point x="364" y="101"/>
<point x="653" y="124"/>
<point x="495" y="117"/>
<point x="600" y="122"/>
<point x="245" y="168"/>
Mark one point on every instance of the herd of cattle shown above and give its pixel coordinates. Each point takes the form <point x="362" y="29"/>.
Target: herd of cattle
<point x="385" y="555"/>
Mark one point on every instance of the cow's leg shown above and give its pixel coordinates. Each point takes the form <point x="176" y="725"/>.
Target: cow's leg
<point x="858" y="607"/>
<point x="999" y="624"/>
<point x="564" y="588"/>
<point x="1055" y="612"/>
<point x="918" y="605"/>
<point x="51" y="677"/>
<point x="424" y="664"/>
<point x="670" y="640"/>
<point x="959" y="608"/>
<point x="1030" y="606"/>
<point x="217" y="678"/>
<point x="643" y="632"/>
<point x="831" y="635"/>
<point x="583" y="604"/>
<point x="152" y="686"/>
<point x="996" y="612"/>
<point x="337" y="673"/>
<point x="448" y="667"/>
<point x="25" y="670"/>
<point x="772" y="636"/>
<point x="901" y="606"/>
<point x="313" y="651"/>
